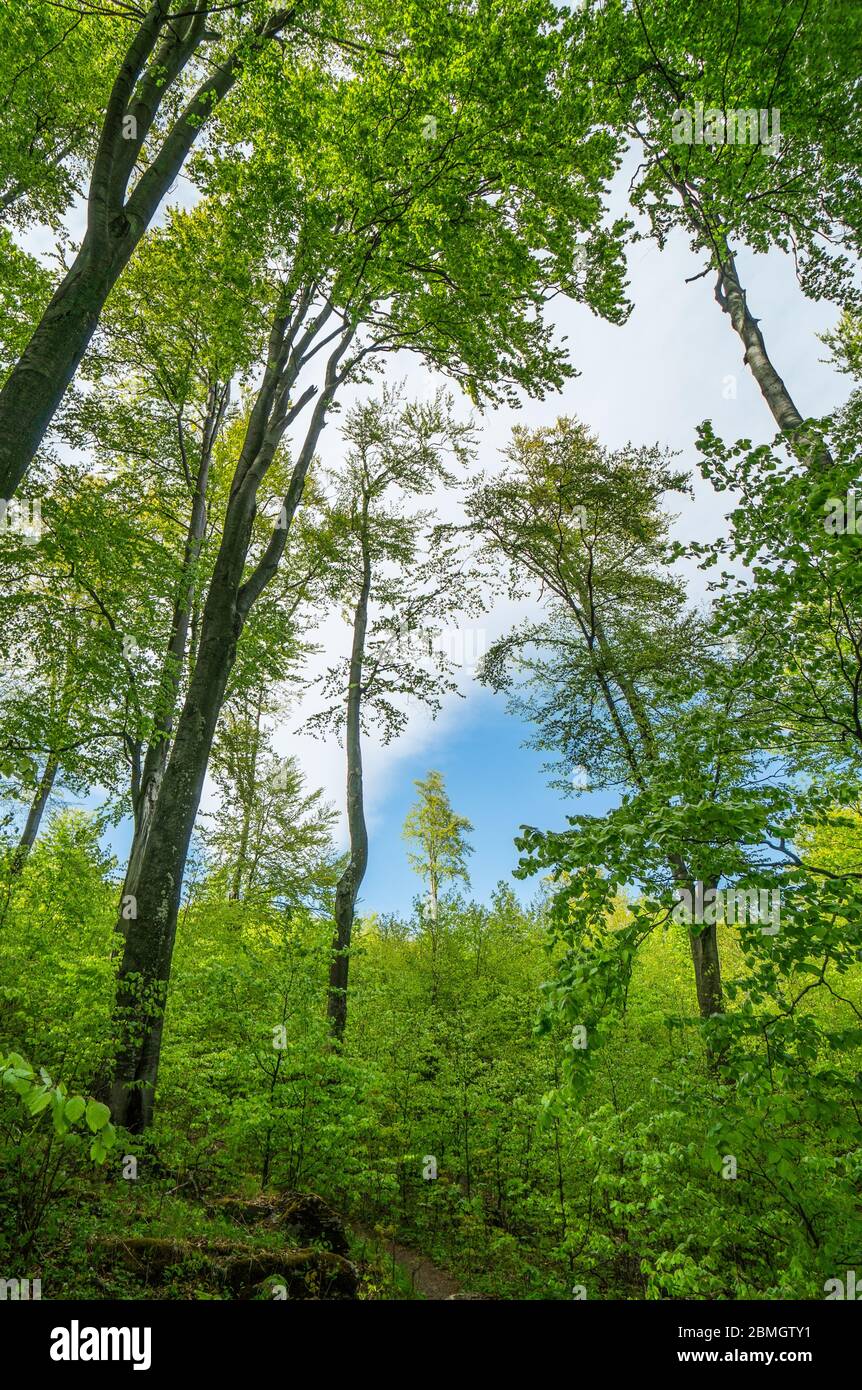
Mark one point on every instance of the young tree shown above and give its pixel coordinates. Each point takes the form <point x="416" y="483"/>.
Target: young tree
<point x="441" y="847"/>
<point x="270" y="840"/>
<point x="402" y="581"/>
<point x="72" y="695"/>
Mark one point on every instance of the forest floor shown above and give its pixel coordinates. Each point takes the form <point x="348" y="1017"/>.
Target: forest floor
<point x="152" y="1244"/>
<point x="426" y="1278"/>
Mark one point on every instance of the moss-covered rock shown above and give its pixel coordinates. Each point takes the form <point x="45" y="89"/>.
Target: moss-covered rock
<point x="238" y="1268"/>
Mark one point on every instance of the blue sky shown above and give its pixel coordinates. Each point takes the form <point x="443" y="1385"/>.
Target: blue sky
<point x="493" y="781"/>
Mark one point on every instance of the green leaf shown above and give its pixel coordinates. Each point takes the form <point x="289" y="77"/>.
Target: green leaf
<point x="98" y="1115"/>
<point x="74" y="1108"/>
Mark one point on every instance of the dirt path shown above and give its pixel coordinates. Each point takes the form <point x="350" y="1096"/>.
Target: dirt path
<point x="426" y="1277"/>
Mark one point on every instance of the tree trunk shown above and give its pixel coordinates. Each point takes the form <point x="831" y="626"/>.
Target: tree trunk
<point x="149" y="928"/>
<point x="38" y="382"/>
<point x="149" y="934"/>
<point x="35" y="814"/>
<point x="707" y="971"/>
<point x="349" y="884"/>
<point x="158" y="747"/>
<point x="731" y="296"/>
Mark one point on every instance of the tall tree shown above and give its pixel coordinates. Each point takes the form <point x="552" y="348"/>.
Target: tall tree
<point x="747" y="126"/>
<point x="585" y="527"/>
<point x="185" y="321"/>
<point x="449" y="250"/>
<point x="402" y="580"/>
<point x="180" y="62"/>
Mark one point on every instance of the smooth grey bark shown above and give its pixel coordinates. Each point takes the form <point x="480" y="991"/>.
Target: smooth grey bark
<point x="115" y="222"/>
<point x="146" y="782"/>
<point x="707" y="970"/>
<point x="347" y="888"/>
<point x="144" y="973"/>
<point x="731" y="297"/>
<point x="35" y="814"/>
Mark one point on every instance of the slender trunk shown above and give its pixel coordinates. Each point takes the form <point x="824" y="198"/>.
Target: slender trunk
<point x="433" y="913"/>
<point x="349" y="884"/>
<point x="731" y="297"/>
<point x="704" y="946"/>
<point x="248" y="806"/>
<point x="236" y="881"/>
<point x="34" y="817"/>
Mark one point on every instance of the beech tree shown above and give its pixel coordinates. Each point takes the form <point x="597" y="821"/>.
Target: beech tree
<point x="439" y="837"/>
<point x="183" y="325"/>
<point x="407" y="244"/>
<point x="584" y="527"/>
<point x="270" y="841"/>
<point x="748" y="130"/>
<point x="177" y="62"/>
<point x="403" y="580"/>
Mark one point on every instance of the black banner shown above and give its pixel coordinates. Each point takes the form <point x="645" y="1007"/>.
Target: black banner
<point x="66" y="1338"/>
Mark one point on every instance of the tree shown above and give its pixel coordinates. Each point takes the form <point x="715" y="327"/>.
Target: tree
<point x="180" y="63"/>
<point x="439" y="835"/>
<point x="451" y="255"/>
<point x="585" y="527"/>
<point x="402" y="580"/>
<point x="75" y="690"/>
<point x="270" y="841"/>
<point x="184" y="322"/>
<point x="686" y="84"/>
<point x="792" y="617"/>
<point x="57" y="71"/>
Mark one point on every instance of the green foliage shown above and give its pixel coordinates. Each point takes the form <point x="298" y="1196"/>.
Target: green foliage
<point x="592" y="1092"/>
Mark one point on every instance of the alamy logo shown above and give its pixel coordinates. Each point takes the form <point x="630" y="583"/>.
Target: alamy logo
<point x="706" y="906"/>
<point x="20" y="1289"/>
<point x="843" y="517"/>
<point x="716" y="127"/>
<point x="844" y="1288"/>
<point x="76" y="1343"/>
<point x="22" y="517"/>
